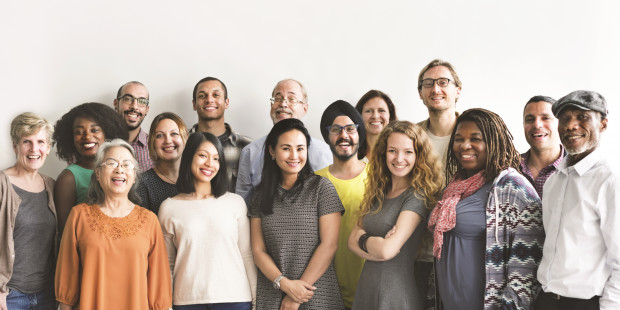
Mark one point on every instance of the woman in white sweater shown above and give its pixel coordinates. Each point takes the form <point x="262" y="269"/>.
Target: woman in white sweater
<point x="207" y="233"/>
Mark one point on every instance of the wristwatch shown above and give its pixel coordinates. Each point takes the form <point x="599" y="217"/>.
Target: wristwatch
<point x="276" y="282"/>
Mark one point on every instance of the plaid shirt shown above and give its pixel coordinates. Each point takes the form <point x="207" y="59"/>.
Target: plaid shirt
<point x="232" y="143"/>
<point x="140" y="146"/>
<point x="544" y="173"/>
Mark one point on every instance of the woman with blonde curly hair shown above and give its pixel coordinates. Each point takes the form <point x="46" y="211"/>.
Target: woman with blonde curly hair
<point x="392" y="220"/>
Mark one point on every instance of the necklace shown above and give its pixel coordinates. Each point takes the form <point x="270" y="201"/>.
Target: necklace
<point x="163" y="175"/>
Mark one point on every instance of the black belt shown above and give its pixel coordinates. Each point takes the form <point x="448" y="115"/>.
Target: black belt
<point x="559" y="297"/>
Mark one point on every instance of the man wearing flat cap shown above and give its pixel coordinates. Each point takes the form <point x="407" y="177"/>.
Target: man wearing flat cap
<point x="343" y="129"/>
<point x="580" y="268"/>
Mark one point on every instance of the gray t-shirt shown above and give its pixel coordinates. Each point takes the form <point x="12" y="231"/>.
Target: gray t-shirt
<point x="391" y="284"/>
<point x="33" y="236"/>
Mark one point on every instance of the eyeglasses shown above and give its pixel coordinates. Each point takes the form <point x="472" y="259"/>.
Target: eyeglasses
<point x="290" y="100"/>
<point x="442" y="82"/>
<point x="113" y="164"/>
<point x="337" y="129"/>
<point x="128" y="99"/>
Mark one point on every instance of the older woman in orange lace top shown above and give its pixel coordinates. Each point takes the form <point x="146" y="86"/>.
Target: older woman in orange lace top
<point x="112" y="253"/>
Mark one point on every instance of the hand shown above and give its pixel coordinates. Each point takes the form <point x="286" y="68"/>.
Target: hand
<point x="298" y="290"/>
<point x="391" y="232"/>
<point x="289" y="304"/>
<point x="3" y="300"/>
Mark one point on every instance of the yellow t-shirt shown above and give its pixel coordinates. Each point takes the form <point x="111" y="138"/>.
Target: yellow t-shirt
<point x="348" y="265"/>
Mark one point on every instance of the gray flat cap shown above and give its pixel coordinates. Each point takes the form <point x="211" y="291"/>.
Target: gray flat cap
<point x="582" y="99"/>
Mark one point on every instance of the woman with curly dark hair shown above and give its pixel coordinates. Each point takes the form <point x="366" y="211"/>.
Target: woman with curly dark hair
<point x="78" y="135"/>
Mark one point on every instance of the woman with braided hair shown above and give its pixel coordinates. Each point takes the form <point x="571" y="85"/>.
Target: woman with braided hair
<point x="488" y="232"/>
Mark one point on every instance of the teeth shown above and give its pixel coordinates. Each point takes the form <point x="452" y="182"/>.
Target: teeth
<point x="400" y="167"/>
<point x="375" y="123"/>
<point x="207" y="172"/>
<point x="467" y="156"/>
<point x="89" y="145"/>
<point x="34" y="156"/>
<point x="169" y="148"/>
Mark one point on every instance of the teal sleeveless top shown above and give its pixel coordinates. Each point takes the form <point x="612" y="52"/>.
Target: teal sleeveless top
<point x="82" y="181"/>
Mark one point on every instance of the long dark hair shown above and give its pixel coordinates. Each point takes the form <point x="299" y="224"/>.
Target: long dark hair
<point x="185" y="182"/>
<point x="267" y="189"/>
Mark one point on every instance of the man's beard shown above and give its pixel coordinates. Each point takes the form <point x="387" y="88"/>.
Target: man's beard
<point x="345" y="157"/>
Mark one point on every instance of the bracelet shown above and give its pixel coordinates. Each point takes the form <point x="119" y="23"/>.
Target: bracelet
<point x="276" y="282"/>
<point x="362" y="242"/>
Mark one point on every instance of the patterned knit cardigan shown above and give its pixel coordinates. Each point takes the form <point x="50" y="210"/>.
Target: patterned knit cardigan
<point x="514" y="242"/>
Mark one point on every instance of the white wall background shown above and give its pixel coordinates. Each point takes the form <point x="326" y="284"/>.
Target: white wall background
<point x="57" y="54"/>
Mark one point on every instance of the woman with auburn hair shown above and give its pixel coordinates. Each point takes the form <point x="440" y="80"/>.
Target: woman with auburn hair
<point x="167" y="138"/>
<point x="407" y="181"/>
<point x="488" y="232"/>
<point x="377" y="110"/>
<point x="28" y="233"/>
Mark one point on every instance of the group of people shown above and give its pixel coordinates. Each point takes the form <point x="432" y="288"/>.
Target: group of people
<point x="384" y="214"/>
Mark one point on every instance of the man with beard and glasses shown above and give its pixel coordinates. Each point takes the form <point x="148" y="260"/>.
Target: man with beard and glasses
<point x="289" y="99"/>
<point x="580" y="267"/>
<point x="541" y="133"/>
<point x="210" y="101"/>
<point x="132" y="103"/>
<point x="343" y="129"/>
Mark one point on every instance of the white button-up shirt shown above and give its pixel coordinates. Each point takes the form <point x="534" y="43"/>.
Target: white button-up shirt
<point x="581" y="216"/>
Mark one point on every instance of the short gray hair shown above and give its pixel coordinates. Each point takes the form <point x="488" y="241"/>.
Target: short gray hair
<point x="95" y="192"/>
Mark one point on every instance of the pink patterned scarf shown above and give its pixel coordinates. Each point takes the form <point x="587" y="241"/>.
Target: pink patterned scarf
<point x="443" y="217"/>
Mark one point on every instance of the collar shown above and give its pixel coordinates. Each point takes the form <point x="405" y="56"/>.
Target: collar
<point x="142" y="138"/>
<point x="525" y="156"/>
<point x="424" y="124"/>
<point x="584" y="165"/>
<point x="226" y="136"/>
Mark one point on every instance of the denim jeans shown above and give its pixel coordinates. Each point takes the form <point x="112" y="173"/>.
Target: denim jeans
<point x="218" y="306"/>
<point x="43" y="300"/>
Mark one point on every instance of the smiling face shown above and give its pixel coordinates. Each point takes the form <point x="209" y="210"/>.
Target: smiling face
<point x="438" y="98"/>
<point x="290" y="153"/>
<point x="168" y="142"/>
<point x="117" y="181"/>
<point x="376" y="115"/>
<point x="211" y="101"/>
<point x="580" y="131"/>
<point x="540" y="126"/>
<point x="400" y="156"/>
<point x="469" y="148"/>
<point x="31" y="151"/>
<point x="87" y="136"/>
<point x="288" y="89"/>
<point x="133" y="114"/>
<point x="205" y="163"/>
<point x="344" y="146"/>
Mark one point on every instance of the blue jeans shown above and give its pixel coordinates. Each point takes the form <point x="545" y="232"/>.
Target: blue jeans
<point x="218" y="306"/>
<point x="43" y="300"/>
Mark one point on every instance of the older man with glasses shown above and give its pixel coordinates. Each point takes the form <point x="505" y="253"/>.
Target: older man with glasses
<point x="289" y="99"/>
<point x="132" y="103"/>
